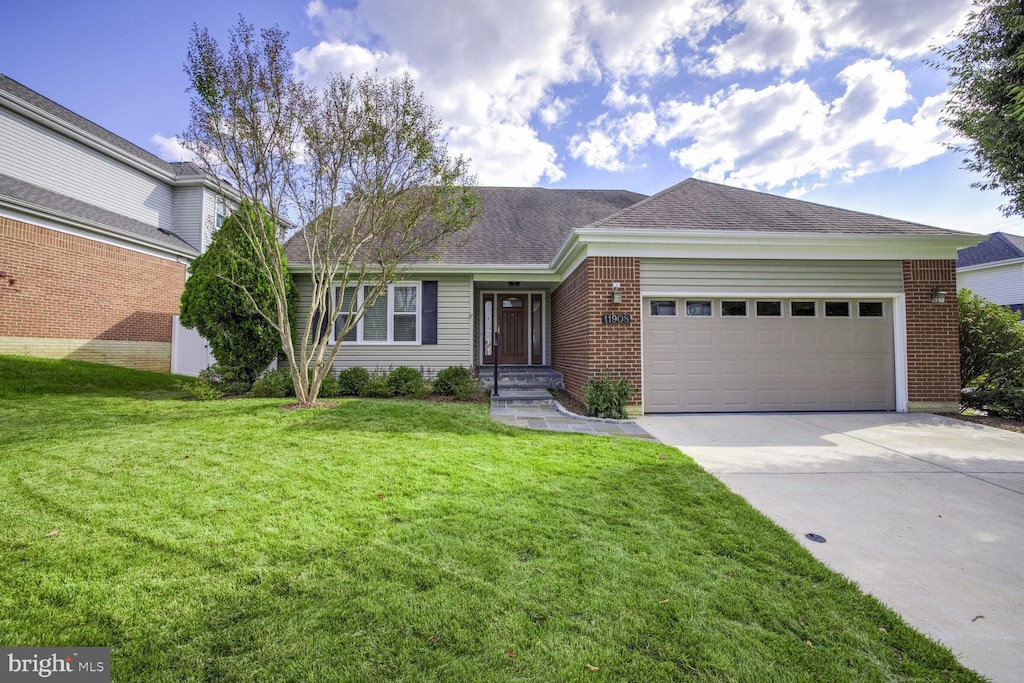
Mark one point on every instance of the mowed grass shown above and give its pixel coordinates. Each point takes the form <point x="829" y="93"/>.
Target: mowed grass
<point x="398" y="541"/>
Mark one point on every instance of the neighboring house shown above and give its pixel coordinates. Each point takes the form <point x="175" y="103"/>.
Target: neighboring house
<point x="97" y="232"/>
<point x="994" y="269"/>
<point x="707" y="298"/>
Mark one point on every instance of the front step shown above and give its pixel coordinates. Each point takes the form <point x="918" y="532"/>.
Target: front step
<point x="520" y="377"/>
<point x="513" y="396"/>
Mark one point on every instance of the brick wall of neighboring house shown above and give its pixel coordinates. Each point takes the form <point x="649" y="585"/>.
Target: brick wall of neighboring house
<point x="84" y="299"/>
<point x="933" y="341"/>
<point x="583" y="346"/>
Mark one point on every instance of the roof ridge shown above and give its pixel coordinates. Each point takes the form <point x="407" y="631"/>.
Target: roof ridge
<point x="1011" y="243"/>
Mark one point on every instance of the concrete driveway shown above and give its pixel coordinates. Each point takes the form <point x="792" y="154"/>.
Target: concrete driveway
<point x="925" y="513"/>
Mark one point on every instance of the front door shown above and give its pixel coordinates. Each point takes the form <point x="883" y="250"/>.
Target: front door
<point x="512" y="329"/>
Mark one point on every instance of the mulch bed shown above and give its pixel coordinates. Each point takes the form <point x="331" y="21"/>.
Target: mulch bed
<point x="991" y="421"/>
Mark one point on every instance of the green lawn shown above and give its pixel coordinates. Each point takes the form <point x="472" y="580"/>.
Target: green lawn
<point x="398" y="541"/>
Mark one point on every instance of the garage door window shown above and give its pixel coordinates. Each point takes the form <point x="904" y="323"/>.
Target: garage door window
<point x="870" y="309"/>
<point x="803" y="309"/>
<point x="837" y="309"/>
<point x="734" y="309"/>
<point x="663" y="308"/>
<point x="698" y="309"/>
<point x="769" y="309"/>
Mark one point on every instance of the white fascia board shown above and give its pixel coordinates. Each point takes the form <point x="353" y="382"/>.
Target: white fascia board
<point x="762" y="295"/>
<point x="488" y="271"/>
<point x="53" y="220"/>
<point x="766" y="245"/>
<point x="993" y="264"/>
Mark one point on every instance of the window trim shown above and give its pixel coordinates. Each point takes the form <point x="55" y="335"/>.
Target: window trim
<point x="723" y="302"/>
<point x="709" y="302"/>
<point x="803" y="301"/>
<point x="782" y="308"/>
<point x="849" y="310"/>
<point x="389" y="297"/>
<point x="673" y="314"/>
<point x="880" y="302"/>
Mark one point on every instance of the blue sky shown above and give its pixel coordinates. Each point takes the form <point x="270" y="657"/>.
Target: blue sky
<point x="817" y="99"/>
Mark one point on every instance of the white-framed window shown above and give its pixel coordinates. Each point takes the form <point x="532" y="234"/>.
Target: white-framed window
<point x="768" y="309"/>
<point x="803" y="309"/>
<point x="870" y="309"/>
<point x="663" y="307"/>
<point x="394" y="318"/>
<point x="837" y="309"/>
<point x="733" y="309"/>
<point x="221" y="211"/>
<point x="698" y="308"/>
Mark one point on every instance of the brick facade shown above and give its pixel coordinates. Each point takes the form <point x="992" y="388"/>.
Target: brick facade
<point x="582" y="346"/>
<point x="73" y="288"/>
<point x="933" y="341"/>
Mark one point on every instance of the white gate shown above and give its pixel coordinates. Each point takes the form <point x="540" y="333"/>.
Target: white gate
<point x="190" y="353"/>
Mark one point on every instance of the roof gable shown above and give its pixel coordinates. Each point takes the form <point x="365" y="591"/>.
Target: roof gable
<point x="998" y="247"/>
<point x="700" y="205"/>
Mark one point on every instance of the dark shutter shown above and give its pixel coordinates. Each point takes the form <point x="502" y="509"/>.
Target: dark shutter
<point x="320" y="326"/>
<point x="428" y="318"/>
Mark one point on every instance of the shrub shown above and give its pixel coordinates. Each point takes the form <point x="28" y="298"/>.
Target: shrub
<point x="352" y="380"/>
<point x="607" y="397"/>
<point x="1006" y="402"/>
<point x="329" y="387"/>
<point x="446" y="381"/>
<point x="228" y="380"/>
<point x="406" y="381"/>
<point x="467" y="390"/>
<point x="376" y="386"/>
<point x="274" y="384"/>
<point x="991" y="343"/>
<point x="200" y="389"/>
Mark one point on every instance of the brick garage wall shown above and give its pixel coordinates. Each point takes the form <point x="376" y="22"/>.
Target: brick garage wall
<point x="583" y="347"/>
<point x="933" y="340"/>
<point x="73" y="288"/>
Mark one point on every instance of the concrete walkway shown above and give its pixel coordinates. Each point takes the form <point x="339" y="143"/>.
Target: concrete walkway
<point x="549" y="418"/>
<point x="925" y="513"/>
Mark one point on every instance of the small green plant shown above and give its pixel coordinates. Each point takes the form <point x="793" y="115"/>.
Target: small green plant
<point x="376" y="386"/>
<point x="228" y="380"/>
<point x="446" y="381"/>
<point x="467" y="390"/>
<point x="406" y="381"/>
<point x="352" y="380"/>
<point x="607" y="397"/>
<point x="200" y="389"/>
<point x="274" y="384"/>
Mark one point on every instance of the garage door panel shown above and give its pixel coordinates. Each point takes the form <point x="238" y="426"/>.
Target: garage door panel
<point x="715" y="364"/>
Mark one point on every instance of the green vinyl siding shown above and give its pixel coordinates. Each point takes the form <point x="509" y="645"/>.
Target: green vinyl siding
<point x="722" y="276"/>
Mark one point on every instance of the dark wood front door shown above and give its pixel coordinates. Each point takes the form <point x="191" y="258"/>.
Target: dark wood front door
<point x="512" y="329"/>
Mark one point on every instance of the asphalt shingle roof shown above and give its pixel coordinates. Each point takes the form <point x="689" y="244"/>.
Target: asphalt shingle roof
<point x="52" y="202"/>
<point x="700" y="205"/>
<point x="998" y="247"/>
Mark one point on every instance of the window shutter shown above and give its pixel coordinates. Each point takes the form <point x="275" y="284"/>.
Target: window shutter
<point x="428" y="318"/>
<point x="320" y="326"/>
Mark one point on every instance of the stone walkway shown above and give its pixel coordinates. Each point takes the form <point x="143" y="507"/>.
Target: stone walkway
<point x="549" y="418"/>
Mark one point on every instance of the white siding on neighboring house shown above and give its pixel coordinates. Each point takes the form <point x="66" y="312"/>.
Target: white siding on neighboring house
<point x="41" y="157"/>
<point x="188" y="216"/>
<point x="721" y="276"/>
<point x="999" y="284"/>
<point x="454" y="331"/>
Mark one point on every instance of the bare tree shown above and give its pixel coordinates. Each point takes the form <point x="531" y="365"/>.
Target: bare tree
<point x="358" y="169"/>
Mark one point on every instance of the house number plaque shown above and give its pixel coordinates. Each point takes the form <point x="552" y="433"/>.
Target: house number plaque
<point x="619" y="319"/>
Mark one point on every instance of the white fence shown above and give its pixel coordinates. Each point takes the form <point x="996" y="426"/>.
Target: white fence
<point x="190" y="353"/>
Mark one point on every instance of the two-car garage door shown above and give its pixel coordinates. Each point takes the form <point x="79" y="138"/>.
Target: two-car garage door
<point x="733" y="354"/>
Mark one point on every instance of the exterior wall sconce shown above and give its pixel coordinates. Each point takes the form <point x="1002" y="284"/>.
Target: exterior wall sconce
<point x="938" y="296"/>
<point x="616" y="293"/>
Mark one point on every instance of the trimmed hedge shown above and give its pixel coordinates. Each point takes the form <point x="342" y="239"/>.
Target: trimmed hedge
<point x="1002" y="402"/>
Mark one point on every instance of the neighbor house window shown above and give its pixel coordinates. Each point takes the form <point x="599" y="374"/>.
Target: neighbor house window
<point x="803" y="309"/>
<point x="837" y="309"/>
<point x="870" y="309"/>
<point x="698" y="308"/>
<point x="222" y="211"/>
<point x="734" y="309"/>
<point x="663" y="308"/>
<point x="768" y="309"/>
<point x="392" y="318"/>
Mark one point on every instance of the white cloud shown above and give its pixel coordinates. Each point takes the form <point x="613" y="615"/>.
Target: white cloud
<point x="171" y="148"/>
<point x="789" y="34"/>
<point x="608" y="140"/>
<point x="554" y="112"/>
<point x="618" y="98"/>
<point x="785" y="136"/>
